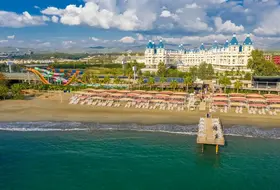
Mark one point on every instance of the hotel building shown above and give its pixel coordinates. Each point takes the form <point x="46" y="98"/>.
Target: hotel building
<point x="232" y="55"/>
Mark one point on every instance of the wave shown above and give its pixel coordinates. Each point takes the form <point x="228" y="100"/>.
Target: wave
<point x="241" y="131"/>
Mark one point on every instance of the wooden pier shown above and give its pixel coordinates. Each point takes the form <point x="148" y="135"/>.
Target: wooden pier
<point x="210" y="132"/>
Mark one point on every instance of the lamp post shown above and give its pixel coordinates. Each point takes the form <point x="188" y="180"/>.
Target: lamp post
<point x="123" y="66"/>
<point x="134" y="68"/>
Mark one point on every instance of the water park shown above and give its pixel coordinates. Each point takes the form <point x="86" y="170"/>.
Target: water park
<point x="56" y="76"/>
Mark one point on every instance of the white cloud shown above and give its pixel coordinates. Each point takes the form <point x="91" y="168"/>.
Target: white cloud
<point x="227" y="26"/>
<point x="94" y="39"/>
<point x="11" y="37"/>
<point x="55" y="19"/>
<point x="93" y="15"/>
<point x="4" y="41"/>
<point x="11" y="19"/>
<point x="165" y="13"/>
<point x="270" y="25"/>
<point x="192" y="6"/>
<point x="68" y="43"/>
<point x="127" y="40"/>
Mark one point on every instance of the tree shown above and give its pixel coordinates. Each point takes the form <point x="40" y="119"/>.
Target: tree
<point x="162" y="81"/>
<point x="194" y="72"/>
<point x="106" y="80"/>
<point x="3" y="80"/>
<point x="140" y="81"/>
<point x="188" y="81"/>
<point x="260" y="66"/>
<point x="3" y="91"/>
<point x="225" y="81"/>
<point x="95" y="79"/>
<point x="174" y="84"/>
<point x="147" y="74"/>
<point x="117" y="80"/>
<point x="151" y="82"/>
<point x="16" y="91"/>
<point x="161" y="69"/>
<point x="237" y="85"/>
<point x="247" y="76"/>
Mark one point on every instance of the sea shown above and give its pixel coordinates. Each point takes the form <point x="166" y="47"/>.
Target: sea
<point x="92" y="156"/>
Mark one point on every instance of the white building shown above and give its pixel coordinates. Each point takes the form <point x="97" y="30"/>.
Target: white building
<point x="232" y="55"/>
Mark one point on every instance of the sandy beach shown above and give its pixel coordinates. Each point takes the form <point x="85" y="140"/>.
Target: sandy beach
<point x="51" y="108"/>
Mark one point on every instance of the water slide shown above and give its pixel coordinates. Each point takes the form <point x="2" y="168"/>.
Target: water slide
<point x="42" y="78"/>
<point x="57" y="77"/>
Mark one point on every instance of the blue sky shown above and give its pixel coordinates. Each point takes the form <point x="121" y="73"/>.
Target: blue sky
<point x="83" y="23"/>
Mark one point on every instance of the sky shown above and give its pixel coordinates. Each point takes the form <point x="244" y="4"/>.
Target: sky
<point x="86" y="23"/>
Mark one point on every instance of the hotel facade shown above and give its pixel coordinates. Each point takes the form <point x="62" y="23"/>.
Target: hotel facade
<point x="232" y="55"/>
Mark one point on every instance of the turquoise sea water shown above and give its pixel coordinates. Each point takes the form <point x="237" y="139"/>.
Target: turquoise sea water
<point x="47" y="156"/>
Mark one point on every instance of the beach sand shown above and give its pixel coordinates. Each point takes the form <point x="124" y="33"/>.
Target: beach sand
<point x="50" y="108"/>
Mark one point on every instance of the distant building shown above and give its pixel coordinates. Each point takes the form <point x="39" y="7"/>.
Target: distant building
<point x="231" y="55"/>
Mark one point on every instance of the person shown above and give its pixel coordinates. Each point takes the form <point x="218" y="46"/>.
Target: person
<point x="208" y="115"/>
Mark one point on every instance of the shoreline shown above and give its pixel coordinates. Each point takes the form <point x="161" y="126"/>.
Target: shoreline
<point x="51" y="109"/>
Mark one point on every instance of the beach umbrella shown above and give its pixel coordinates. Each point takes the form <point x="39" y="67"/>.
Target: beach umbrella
<point x="145" y="96"/>
<point x="177" y="97"/>
<point x="256" y="100"/>
<point x="116" y="95"/>
<point x="180" y="93"/>
<point x="133" y="95"/>
<point x="139" y="91"/>
<point x="257" y="105"/>
<point x="237" y="104"/>
<point x="271" y="96"/>
<point x="166" y="92"/>
<point x="126" y="99"/>
<point x="175" y="101"/>
<point x="237" y="95"/>
<point x="220" y="94"/>
<point x="220" y="98"/>
<point x="162" y="96"/>
<point x="273" y="100"/>
<point x="238" y="99"/>
<point x="275" y="106"/>
<point x="219" y="104"/>
<point x="103" y="94"/>
<point x="112" y="90"/>
<point x="254" y="96"/>
<point x="152" y="92"/>
<point x="157" y="101"/>
<point x="124" y="91"/>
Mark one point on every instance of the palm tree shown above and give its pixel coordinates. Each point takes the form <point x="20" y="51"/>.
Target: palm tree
<point x="225" y="81"/>
<point x="151" y="82"/>
<point x="237" y="85"/>
<point x="140" y="82"/>
<point x="174" y="84"/>
<point x="188" y="81"/>
<point x="162" y="81"/>
<point x="4" y="91"/>
<point x="95" y="79"/>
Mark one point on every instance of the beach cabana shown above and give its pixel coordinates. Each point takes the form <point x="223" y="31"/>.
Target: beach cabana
<point x="157" y="101"/>
<point x="257" y="105"/>
<point x="112" y="90"/>
<point x="103" y="94"/>
<point x="238" y="99"/>
<point x="219" y="104"/>
<point x="139" y="91"/>
<point x="254" y="96"/>
<point x="175" y="102"/>
<point x="162" y="96"/>
<point x="99" y="90"/>
<point x="124" y="91"/>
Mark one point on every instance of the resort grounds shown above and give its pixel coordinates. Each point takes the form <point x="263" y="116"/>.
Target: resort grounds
<point x="57" y="107"/>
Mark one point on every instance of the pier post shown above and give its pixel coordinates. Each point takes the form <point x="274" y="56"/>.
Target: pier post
<point x="217" y="149"/>
<point x="202" y="148"/>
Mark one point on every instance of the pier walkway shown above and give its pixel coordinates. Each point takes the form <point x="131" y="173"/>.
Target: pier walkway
<point x="210" y="132"/>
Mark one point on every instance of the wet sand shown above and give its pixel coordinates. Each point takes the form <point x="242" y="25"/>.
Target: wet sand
<point x="52" y="109"/>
